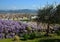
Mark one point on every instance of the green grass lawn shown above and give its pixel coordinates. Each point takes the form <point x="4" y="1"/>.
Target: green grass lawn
<point x="10" y="40"/>
<point x="5" y="40"/>
<point x="34" y="40"/>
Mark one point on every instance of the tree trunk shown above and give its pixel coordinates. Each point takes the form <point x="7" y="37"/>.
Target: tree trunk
<point x="37" y="26"/>
<point x="47" y="31"/>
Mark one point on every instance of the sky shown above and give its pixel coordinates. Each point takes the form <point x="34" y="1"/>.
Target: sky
<point x="25" y="4"/>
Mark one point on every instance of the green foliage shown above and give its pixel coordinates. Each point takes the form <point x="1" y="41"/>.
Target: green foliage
<point x="58" y="9"/>
<point x="29" y="36"/>
<point x="49" y="14"/>
<point x="58" y="32"/>
<point x="56" y="16"/>
<point x="44" y="14"/>
<point x="50" y="40"/>
<point x="38" y="35"/>
<point x="32" y="35"/>
<point x="25" y="37"/>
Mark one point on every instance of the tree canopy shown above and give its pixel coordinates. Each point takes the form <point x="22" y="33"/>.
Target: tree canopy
<point x="49" y="14"/>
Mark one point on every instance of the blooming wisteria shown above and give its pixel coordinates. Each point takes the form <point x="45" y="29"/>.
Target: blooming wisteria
<point x="9" y="28"/>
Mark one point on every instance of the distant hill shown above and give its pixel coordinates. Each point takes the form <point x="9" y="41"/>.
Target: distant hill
<point x="19" y="11"/>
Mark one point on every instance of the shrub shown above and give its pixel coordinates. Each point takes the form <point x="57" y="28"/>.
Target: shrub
<point x="25" y="37"/>
<point x="50" y="40"/>
<point x="32" y="35"/>
<point x="37" y="35"/>
<point x="57" y="32"/>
